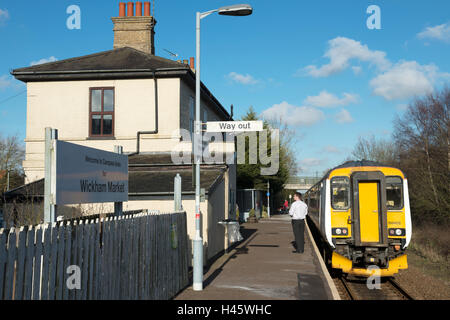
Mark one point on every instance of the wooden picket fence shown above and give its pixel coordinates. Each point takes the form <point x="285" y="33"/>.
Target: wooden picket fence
<point x="142" y="256"/>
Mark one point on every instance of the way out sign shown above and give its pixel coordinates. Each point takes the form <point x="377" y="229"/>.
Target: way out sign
<point x="88" y="175"/>
<point x="234" y="126"/>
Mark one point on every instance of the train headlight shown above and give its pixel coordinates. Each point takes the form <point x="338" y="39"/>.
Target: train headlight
<point x="339" y="231"/>
<point x="397" y="232"/>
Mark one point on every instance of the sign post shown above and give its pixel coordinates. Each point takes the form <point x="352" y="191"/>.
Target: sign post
<point x="177" y="193"/>
<point x="118" y="206"/>
<point x="51" y="135"/>
<point x="268" y="198"/>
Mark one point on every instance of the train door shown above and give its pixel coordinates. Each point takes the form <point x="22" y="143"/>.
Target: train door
<point x="369" y="208"/>
<point x="369" y="211"/>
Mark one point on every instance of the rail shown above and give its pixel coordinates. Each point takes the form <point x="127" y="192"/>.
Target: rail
<point x="357" y="289"/>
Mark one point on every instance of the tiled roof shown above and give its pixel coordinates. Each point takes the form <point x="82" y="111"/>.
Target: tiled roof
<point x="118" y="59"/>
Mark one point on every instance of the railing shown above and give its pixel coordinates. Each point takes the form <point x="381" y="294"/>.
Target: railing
<point x="143" y="256"/>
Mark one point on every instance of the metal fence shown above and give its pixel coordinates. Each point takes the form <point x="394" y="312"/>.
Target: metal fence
<point x="143" y="256"/>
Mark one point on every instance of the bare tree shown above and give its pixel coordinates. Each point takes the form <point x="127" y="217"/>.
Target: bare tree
<point x="422" y="136"/>
<point x="371" y="148"/>
<point x="12" y="154"/>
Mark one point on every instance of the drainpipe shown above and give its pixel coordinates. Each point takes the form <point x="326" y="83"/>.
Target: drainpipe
<point x="138" y="137"/>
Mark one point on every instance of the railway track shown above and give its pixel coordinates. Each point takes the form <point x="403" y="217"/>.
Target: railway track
<point x="352" y="288"/>
<point x="355" y="288"/>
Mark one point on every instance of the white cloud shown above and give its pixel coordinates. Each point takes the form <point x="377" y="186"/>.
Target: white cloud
<point x="311" y="162"/>
<point x="341" y="50"/>
<point x="343" y="117"/>
<point x="401" y="80"/>
<point x="242" y="79"/>
<point x="331" y="149"/>
<point x="326" y="99"/>
<point x="440" y="32"/>
<point x="5" y="82"/>
<point x="309" y="165"/>
<point x="45" y="60"/>
<point x="293" y="115"/>
<point x="405" y="80"/>
<point x="402" y="107"/>
<point x="356" y="70"/>
<point x="4" y="15"/>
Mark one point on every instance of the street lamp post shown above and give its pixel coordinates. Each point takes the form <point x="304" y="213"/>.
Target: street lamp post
<point x="268" y="198"/>
<point x="234" y="10"/>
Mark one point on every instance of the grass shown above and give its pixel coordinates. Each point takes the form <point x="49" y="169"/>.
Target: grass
<point x="429" y="250"/>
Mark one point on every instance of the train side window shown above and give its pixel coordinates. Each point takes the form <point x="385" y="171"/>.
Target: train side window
<point x="340" y="193"/>
<point x="394" y="193"/>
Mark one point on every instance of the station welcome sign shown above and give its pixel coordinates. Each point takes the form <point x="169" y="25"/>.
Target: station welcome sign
<point x="88" y="175"/>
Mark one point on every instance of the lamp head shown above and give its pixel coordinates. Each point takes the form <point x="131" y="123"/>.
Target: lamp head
<point x="236" y="10"/>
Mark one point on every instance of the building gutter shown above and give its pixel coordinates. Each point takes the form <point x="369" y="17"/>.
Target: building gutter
<point x="37" y="76"/>
<point x="151" y="71"/>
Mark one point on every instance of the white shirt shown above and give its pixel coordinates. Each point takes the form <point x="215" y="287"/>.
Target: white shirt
<point x="298" y="210"/>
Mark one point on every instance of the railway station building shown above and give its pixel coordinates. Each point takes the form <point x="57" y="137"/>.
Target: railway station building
<point x="132" y="98"/>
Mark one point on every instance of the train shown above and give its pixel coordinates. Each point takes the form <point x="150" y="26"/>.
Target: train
<point x="361" y="213"/>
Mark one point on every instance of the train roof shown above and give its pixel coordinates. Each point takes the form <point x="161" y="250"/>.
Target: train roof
<point x="359" y="163"/>
<point x="353" y="163"/>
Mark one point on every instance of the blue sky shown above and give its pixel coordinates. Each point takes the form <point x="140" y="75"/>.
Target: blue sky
<point x="315" y="64"/>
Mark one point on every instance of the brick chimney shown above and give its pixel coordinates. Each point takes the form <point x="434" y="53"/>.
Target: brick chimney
<point x="134" y="29"/>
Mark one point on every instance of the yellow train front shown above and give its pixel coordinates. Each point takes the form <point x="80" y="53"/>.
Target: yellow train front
<point x="361" y="210"/>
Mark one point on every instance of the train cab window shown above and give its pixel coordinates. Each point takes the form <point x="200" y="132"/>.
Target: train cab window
<point x="394" y="193"/>
<point x="340" y="193"/>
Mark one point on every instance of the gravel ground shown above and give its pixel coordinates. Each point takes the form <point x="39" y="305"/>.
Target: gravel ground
<point x="421" y="285"/>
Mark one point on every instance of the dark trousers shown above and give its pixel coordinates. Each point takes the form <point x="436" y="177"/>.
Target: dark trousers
<point x="298" y="226"/>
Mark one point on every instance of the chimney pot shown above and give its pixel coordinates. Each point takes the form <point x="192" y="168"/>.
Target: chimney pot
<point x="122" y="9"/>
<point x="192" y="63"/>
<point x="147" y="9"/>
<point x="138" y="9"/>
<point x="130" y="11"/>
<point x="133" y="30"/>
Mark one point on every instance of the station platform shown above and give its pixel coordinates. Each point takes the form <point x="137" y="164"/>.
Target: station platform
<point x="264" y="267"/>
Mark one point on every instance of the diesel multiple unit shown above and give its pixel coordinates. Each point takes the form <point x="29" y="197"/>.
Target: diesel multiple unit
<point x="361" y="211"/>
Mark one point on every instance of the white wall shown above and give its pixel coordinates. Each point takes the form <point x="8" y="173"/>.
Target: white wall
<point x="65" y="106"/>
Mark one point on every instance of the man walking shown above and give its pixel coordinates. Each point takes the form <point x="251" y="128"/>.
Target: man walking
<point x="298" y="212"/>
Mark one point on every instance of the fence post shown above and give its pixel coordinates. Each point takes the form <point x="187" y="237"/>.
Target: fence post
<point x="50" y="176"/>
<point x="118" y="206"/>
<point x="177" y="193"/>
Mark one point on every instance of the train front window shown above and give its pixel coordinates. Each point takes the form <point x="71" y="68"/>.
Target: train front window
<point x="340" y="193"/>
<point x="394" y="193"/>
